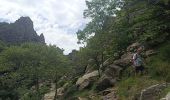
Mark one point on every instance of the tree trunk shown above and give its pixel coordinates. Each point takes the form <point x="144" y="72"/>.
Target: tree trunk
<point x="37" y="87"/>
<point x="98" y="65"/>
<point x="56" y="79"/>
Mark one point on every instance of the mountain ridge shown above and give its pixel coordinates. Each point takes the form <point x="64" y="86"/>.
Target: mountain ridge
<point x="19" y="32"/>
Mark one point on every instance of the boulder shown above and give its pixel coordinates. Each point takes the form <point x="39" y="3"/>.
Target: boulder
<point x="106" y="64"/>
<point x="125" y="60"/>
<point x="150" y="53"/>
<point x="110" y="96"/>
<point x="152" y="92"/>
<point x="133" y="46"/>
<point x="109" y="77"/>
<point x="87" y="79"/>
<point x="105" y="82"/>
<point x="60" y="91"/>
<point x="91" y="66"/>
<point x="168" y="96"/>
<point x="113" y="71"/>
<point x="80" y="98"/>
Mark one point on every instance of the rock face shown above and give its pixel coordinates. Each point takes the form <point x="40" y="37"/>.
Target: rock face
<point x="84" y="81"/>
<point x="152" y="92"/>
<point x="109" y="77"/>
<point x="125" y="60"/>
<point x="19" y="32"/>
<point x="91" y="66"/>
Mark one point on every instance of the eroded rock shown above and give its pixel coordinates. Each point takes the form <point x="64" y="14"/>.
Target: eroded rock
<point x="87" y="79"/>
<point x="125" y="60"/>
<point x="108" y="77"/>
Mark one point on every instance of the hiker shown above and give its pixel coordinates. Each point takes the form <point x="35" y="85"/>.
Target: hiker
<point x="138" y="61"/>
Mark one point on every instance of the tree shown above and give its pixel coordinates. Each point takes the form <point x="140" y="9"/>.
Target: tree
<point x="29" y="65"/>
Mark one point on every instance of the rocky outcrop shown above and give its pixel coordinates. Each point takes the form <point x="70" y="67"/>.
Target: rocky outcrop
<point x="91" y="66"/>
<point x="133" y="46"/>
<point x="152" y="92"/>
<point x="167" y="97"/>
<point x="85" y="81"/>
<point x="110" y="96"/>
<point x="20" y="31"/>
<point x="150" y="53"/>
<point x="109" y="77"/>
<point x="125" y="60"/>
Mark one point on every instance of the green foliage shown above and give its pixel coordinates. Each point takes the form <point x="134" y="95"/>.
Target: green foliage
<point x="159" y="65"/>
<point x="29" y="65"/>
<point x="129" y="87"/>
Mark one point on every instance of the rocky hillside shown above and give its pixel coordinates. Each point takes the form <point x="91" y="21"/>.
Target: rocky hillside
<point x="20" y="31"/>
<point x="106" y="60"/>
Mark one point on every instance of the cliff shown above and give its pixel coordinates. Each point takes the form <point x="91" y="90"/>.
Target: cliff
<point x="19" y="32"/>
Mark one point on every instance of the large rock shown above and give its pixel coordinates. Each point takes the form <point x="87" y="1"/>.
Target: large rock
<point x="150" y="53"/>
<point x="106" y="64"/>
<point x="110" y="96"/>
<point x="91" y="66"/>
<point x="152" y="92"/>
<point x="125" y="60"/>
<point x="109" y="77"/>
<point x="133" y="47"/>
<point x="20" y="31"/>
<point x="60" y="91"/>
<point x="84" y="81"/>
<point x="168" y="96"/>
<point x="105" y="82"/>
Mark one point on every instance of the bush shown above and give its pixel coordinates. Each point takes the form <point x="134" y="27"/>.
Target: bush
<point x="159" y="65"/>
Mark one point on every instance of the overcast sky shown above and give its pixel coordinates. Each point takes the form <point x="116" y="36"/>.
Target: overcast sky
<point x="58" y="20"/>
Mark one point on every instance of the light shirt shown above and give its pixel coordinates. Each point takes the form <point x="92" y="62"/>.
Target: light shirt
<point x="137" y="60"/>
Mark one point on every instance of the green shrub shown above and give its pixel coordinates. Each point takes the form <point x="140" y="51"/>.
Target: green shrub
<point x="159" y="65"/>
<point x="129" y="87"/>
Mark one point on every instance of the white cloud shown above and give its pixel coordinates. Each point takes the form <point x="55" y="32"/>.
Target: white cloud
<point x="58" y="20"/>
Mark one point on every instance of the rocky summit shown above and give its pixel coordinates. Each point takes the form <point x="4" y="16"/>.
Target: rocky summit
<point x="20" y="31"/>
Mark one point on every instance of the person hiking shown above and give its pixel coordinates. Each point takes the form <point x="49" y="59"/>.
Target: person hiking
<point x="138" y="61"/>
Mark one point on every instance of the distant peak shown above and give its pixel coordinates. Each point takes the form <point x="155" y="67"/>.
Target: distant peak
<point x="24" y="20"/>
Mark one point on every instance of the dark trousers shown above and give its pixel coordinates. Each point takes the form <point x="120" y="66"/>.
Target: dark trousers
<point x="139" y="69"/>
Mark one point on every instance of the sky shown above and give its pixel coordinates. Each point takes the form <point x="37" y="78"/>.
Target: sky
<point x="58" y="20"/>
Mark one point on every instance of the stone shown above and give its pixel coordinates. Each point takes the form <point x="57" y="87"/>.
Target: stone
<point x="150" y="53"/>
<point x="110" y="96"/>
<point x="87" y="79"/>
<point x="152" y="92"/>
<point x="125" y="60"/>
<point x="109" y="77"/>
<point x="91" y="66"/>
<point x="106" y="64"/>
<point x="80" y="98"/>
<point x="168" y="96"/>
<point x="133" y="46"/>
<point x="105" y="82"/>
<point x="60" y="91"/>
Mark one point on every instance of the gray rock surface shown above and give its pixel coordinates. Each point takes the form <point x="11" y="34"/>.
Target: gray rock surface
<point x="109" y="77"/>
<point x="152" y="92"/>
<point x="20" y="31"/>
<point x="125" y="60"/>
<point x="87" y="79"/>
